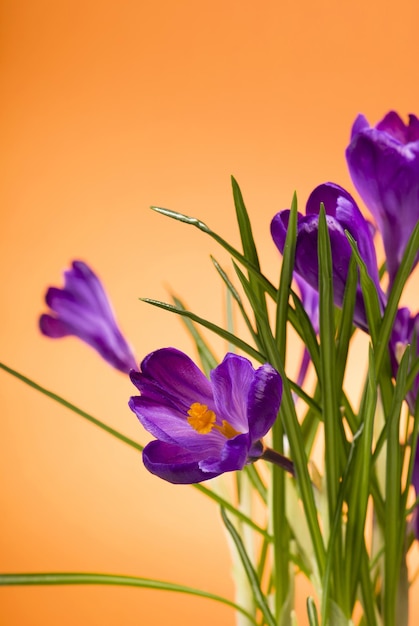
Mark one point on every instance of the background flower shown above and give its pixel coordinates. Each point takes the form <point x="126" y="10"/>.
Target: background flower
<point x="342" y="213"/>
<point x="384" y="165"/>
<point x="203" y="427"/>
<point x="81" y="308"/>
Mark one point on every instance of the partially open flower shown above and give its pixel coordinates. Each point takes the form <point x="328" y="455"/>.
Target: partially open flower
<point x="81" y="308"/>
<point x="384" y="166"/>
<point x="203" y="427"/>
<point x="342" y="214"/>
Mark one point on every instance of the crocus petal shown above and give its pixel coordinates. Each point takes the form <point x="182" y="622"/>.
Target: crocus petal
<point x="231" y="381"/>
<point x="82" y="309"/>
<point x="264" y="400"/>
<point x="341" y="214"/>
<point x="310" y="300"/>
<point x="171" y="426"/>
<point x="53" y="327"/>
<point x="176" y="375"/>
<point x="384" y="166"/>
<point x="233" y="456"/>
<point x="83" y="283"/>
<point x="174" y="464"/>
<point x="340" y="204"/>
<point x="203" y="427"/>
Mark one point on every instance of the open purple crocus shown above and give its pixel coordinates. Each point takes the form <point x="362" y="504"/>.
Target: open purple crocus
<point x="81" y="308"/>
<point x="342" y="214"/>
<point x="384" y="165"/>
<point x="203" y="427"/>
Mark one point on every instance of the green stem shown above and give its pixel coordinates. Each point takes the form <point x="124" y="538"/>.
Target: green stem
<point x="110" y="579"/>
<point x="278" y="459"/>
<point x="73" y="407"/>
<point x="130" y="442"/>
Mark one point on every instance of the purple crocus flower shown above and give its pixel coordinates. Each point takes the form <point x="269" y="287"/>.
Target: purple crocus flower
<point x="81" y="308"/>
<point x="342" y="214"/>
<point x="203" y="427"/>
<point x="384" y="165"/>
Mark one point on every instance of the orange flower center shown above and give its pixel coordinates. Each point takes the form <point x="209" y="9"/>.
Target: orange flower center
<point x="202" y="419"/>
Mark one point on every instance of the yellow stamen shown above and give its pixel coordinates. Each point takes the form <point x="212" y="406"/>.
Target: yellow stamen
<point x="202" y="419"/>
<point x="227" y="430"/>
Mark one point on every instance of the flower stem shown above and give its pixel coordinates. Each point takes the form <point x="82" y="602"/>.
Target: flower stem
<point x="278" y="459"/>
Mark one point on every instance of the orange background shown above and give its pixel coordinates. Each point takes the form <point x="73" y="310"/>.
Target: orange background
<point x="107" y="108"/>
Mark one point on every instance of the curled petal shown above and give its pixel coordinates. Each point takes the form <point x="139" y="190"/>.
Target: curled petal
<point x="81" y="308"/>
<point x="174" y="463"/>
<point x="231" y="381"/>
<point x="174" y="375"/>
<point x="384" y="165"/>
<point x="233" y="456"/>
<point x="264" y="400"/>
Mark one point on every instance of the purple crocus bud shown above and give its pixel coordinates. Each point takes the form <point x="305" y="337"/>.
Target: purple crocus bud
<point x="81" y="308"/>
<point x="342" y="214"/>
<point x="203" y="427"/>
<point x="384" y="165"/>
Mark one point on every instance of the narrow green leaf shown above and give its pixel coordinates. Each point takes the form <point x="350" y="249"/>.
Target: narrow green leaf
<point x="234" y="293"/>
<point x="402" y="276"/>
<point x="369" y="291"/>
<point x="307" y="332"/>
<point x="313" y="618"/>
<point x="110" y="579"/>
<point x="335" y="529"/>
<point x="395" y="517"/>
<point x="308" y="400"/>
<point x="111" y="431"/>
<point x="414" y="442"/>
<point x="373" y="313"/>
<point x="207" y="357"/>
<point x="367" y="591"/>
<point x="299" y="457"/>
<point x="72" y="407"/>
<point x="213" y="327"/>
<point x="250" y="571"/>
<point x="257" y="482"/>
<point x="280" y="524"/>
<point x="287" y="269"/>
<point x="333" y="428"/>
<point x="193" y="221"/>
<point x="248" y="243"/>
<point x="345" y="329"/>
<point x="359" y="486"/>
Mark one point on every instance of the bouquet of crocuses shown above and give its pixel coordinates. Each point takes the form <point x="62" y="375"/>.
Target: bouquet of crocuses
<point x="307" y="482"/>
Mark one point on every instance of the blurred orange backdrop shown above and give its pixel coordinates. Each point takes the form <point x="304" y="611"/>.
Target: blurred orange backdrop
<point x="107" y="108"/>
